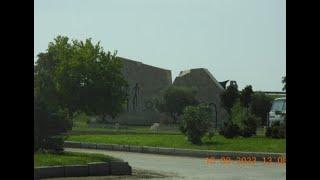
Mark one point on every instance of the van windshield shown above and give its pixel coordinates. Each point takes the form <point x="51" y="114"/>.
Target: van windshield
<point x="278" y="105"/>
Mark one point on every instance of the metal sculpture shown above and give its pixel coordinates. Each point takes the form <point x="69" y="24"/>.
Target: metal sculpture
<point x="136" y="91"/>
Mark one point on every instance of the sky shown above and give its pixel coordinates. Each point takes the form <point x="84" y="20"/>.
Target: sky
<point x="242" y="40"/>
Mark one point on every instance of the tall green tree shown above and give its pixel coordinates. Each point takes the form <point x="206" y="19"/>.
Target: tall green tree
<point x="246" y="96"/>
<point x="81" y="76"/>
<point x="260" y="106"/>
<point x="229" y="97"/>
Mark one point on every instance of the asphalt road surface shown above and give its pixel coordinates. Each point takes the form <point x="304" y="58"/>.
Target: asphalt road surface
<point x="176" y="167"/>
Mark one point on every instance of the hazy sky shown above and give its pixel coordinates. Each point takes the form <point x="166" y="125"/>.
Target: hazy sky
<point x="242" y="40"/>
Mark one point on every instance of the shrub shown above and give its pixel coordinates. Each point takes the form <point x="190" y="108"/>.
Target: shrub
<point x="277" y="130"/>
<point x="260" y="106"/>
<point x="175" y="99"/>
<point x="246" y="132"/>
<point x="230" y="130"/>
<point x="210" y="135"/>
<point x="276" y="123"/>
<point x="244" y="119"/>
<point x="268" y="132"/>
<point x="54" y="144"/>
<point x="238" y="113"/>
<point x="250" y="125"/>
<point x="282" y="132"/>
<point x="49" y="121"/>
<point x="196" y="122"/>
<point x="80" y="119"/>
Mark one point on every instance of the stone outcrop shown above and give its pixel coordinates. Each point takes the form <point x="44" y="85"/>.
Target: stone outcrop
<point x="208" y="90"/>
<point x="145" y="82"/>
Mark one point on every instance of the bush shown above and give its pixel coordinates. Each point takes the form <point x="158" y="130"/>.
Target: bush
<point x="54" y="143"/>
<point x="282" y="132"/>
<point x="277" y="130"/>
<point x="210" y="135"/>
<point x="250" y="125"/>
<point x="175" y="99"/>
<point x="246" y="132"/>
<point x="260" y="106"/>
<point x="238" y="113"/>
<point x="247" y="122"/>
<point x="196" y="122"/>
<point x="230" y="130"/>
<point x="80" y="119"/>
<point x="268" y="132"/>
<point x="49" y="121"/>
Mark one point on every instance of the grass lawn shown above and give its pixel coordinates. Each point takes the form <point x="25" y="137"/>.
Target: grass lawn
<point x="122" y="130"/>
<point x="109" y="129"/>
<point x="257" y="143"/>
<point x="69" y="158"/>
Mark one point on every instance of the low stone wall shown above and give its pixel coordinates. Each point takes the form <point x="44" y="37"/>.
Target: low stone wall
<point x="91" y="169"/>
<point x="234" y="155"/>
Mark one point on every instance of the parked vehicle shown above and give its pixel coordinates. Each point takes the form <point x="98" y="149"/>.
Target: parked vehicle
<point x="278" y="110"/>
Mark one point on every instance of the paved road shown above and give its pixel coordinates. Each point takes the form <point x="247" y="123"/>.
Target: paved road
<point x="175" y="167"/>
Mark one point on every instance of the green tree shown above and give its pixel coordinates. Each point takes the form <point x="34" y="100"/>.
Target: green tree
<point x="80" y="76"/>
<point x="196" y="122"/>
<point x="260" y="106"/>
<point x="229" y="97"/>
<point x="246" y="96"/>
<point x="175" y="99"/>
<point x="238" y="113"/>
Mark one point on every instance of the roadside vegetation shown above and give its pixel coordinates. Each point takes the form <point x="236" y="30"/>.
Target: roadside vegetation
<point x="70" y="70"/>
<point x="243" y="132"/>
<point x="196" y="123"/>
<point x="256" y="143"/>
<point x="64" y="75"/>
<point x="69" y="158"/>
<point x="122" y="129"/>
<point x="248" y="110"/>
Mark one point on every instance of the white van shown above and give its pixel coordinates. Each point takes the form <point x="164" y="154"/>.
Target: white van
<point x="277" y="111"/>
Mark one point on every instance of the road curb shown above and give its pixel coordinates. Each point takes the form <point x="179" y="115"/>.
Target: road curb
<point x="90" y="169"/>
<point x="233" y="155"/>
